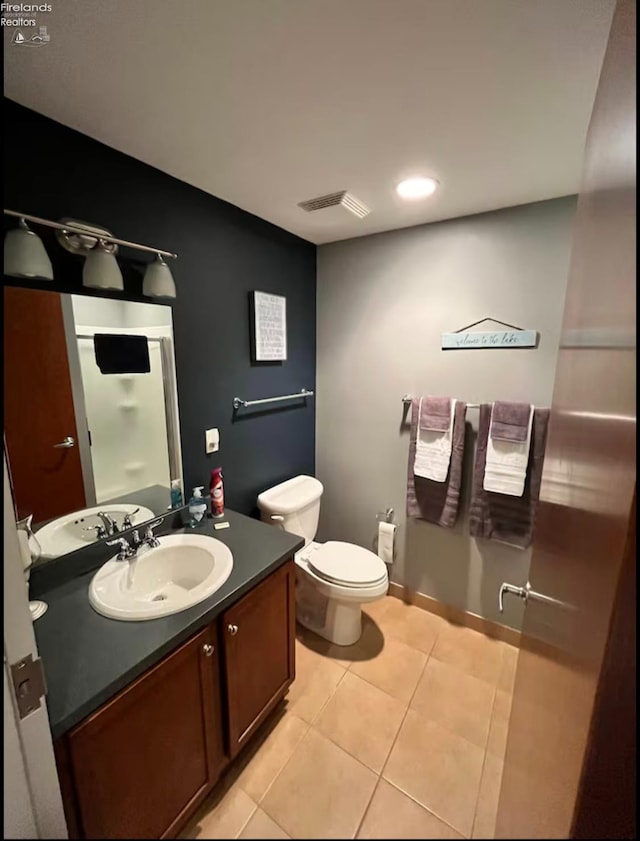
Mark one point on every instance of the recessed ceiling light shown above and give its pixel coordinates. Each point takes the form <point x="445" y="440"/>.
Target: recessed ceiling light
<point x="417" y="188"/>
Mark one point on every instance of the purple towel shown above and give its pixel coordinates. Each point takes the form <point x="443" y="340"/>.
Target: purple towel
<point x="436" y="414"/>
<point x="436" y="502"/>
<point x="510" y="421"/>
<point x="509" y="519"/>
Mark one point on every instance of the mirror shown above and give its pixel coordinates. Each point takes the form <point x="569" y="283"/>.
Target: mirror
<point x="90" y="415"/>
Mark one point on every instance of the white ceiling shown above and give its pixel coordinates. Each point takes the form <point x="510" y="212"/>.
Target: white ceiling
<point x="266" y="103"/>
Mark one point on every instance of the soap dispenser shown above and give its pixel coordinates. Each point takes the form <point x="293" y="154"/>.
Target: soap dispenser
<point x="176" y="494"/>
<point x="197" y="507"/>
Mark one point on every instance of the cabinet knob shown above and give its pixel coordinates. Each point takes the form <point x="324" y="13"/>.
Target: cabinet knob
<point x="208" y="649"/>
<point x="233" y="629"/>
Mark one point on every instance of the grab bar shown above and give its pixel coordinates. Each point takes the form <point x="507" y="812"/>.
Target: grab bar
<point x="238" y="402"/>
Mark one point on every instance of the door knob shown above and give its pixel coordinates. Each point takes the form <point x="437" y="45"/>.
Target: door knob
<point x="233" y="629"/>
<point x="68" y="442"/>
<point x="208" y="649"/>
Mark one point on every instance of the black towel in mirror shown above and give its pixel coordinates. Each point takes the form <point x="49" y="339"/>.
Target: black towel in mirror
<point x="121" y="354"/>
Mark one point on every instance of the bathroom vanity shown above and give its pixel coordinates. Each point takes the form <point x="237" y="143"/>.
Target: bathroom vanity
<point x="146" y="715"/>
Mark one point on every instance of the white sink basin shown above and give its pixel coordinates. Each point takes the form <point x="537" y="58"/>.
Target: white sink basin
<point x="68" y="533"/>
<point x="183" y="570"/>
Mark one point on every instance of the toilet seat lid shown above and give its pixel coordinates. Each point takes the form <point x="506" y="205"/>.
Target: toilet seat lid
<point x="346" y="563"/>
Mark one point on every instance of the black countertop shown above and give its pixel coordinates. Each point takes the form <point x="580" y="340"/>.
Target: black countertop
<point x="87" y="658"/>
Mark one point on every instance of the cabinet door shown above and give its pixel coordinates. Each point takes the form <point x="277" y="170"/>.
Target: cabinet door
<point x="143" y="760"/>
<point x="258" y="635"/>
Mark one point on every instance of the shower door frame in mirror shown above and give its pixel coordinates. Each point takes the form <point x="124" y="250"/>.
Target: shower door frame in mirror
<point x="77" y="327"/>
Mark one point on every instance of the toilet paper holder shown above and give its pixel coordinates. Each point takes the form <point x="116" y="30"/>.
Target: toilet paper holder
<point x="385" y="517"/>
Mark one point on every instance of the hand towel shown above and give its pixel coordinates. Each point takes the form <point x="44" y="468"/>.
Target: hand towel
<point x="433" y="449"/>
<point x="510" y="421"/>
<point x="506" y="462"/>
<point x="121" y="354"/>
<point x="437" y="414"/>
<point x="509" y="519"/>
<point x="436" y="502"/>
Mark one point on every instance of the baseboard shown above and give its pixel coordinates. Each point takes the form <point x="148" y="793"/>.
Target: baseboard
<point x="456" y="615"/>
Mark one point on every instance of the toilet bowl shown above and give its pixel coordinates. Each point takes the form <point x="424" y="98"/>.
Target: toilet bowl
<point x="333" y="579"/>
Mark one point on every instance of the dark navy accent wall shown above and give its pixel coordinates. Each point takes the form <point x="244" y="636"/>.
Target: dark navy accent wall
<point x="224" y="253"/>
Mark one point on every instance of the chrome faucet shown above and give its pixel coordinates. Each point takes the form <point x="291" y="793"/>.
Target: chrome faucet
<point x="130" y="550"/>
<point x="109" y="524"/>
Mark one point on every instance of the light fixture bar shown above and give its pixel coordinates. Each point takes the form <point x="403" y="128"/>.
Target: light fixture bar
<point x="80" y="230"/>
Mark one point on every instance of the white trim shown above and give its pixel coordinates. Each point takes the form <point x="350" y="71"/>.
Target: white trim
<point x="33" y="731"/>
<point x="19" y="817"/>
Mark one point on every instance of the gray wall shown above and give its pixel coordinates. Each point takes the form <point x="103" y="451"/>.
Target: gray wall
<point x="382" y="303"/>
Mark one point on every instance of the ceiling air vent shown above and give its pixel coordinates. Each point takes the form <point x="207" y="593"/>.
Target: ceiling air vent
<point x="342" y="199"/>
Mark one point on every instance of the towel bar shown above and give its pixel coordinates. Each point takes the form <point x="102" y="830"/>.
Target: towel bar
<point x="408" y="398"/>
<point x="238" y="402"/>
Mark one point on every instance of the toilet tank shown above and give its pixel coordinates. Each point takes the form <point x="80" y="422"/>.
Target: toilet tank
<point x="294" y="505"/>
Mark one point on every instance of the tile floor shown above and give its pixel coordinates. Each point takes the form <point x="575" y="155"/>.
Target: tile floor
<point x="401" y="735"/>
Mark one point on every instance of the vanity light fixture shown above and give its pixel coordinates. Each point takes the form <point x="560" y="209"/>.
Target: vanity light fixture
<point x="98" y="245"/>
<point x="417" y="187"/>
<point x="25" y="254"/>
<point x="158" y="281"/>
<point x="101" y="269"/>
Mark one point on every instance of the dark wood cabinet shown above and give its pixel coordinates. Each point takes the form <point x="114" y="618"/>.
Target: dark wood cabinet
<point x="140" y="765"/>
<point x="258" y="638"/>
<point x="143" y="759"/>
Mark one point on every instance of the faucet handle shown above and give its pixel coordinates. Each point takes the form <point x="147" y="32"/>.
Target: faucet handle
<point x="125" y="549"/>
<point x="126" y="520"/>
<point x="99" y="530"/>
<point x="149" y="536"/>
<point x="152" y="525"/>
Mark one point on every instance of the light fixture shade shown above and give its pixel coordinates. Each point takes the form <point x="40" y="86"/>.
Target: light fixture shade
<point x="25" y="254"/>
<point x="158" y="280"/>
<point x="101" y="270"/>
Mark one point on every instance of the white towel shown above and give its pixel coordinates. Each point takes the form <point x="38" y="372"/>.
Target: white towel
<point x="433" y="449"/>
<point x="505" y="469"/>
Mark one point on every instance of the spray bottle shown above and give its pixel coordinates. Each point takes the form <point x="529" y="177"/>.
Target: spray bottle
<point x="216" y="489"/>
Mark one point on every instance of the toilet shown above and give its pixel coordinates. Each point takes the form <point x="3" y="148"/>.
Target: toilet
<point x="333" y="579"/>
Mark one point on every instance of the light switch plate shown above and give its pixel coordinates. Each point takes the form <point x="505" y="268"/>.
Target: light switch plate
<point x="212" y="440"/>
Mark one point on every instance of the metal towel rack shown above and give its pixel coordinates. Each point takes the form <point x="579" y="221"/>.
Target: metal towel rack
<point x="239" y="403"/>
<point x="408" y="398"/>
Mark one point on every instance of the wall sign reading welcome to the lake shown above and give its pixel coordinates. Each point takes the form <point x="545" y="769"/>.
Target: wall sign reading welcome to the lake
<point x="496" y="339"/>
<point x="269" y="327"/>
<point x="513" y="337"/>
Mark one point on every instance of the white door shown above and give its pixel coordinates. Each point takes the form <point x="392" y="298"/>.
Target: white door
<point x="32" y="801"/>
<point x="19" y="817"/>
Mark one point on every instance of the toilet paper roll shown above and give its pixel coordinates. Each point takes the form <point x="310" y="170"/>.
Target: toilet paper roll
<point x="386" y="537"/>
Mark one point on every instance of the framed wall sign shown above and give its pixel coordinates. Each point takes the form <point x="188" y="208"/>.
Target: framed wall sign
<point x="268" y="327"/>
